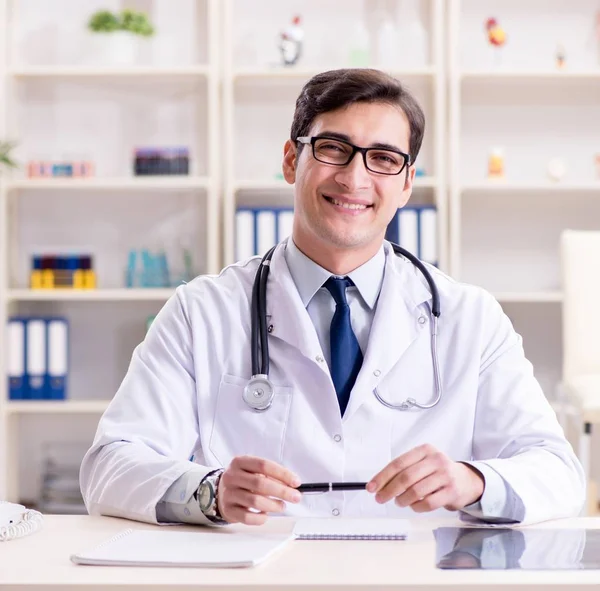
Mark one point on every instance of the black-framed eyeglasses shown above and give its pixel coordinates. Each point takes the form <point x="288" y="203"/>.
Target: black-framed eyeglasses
<point x="330" y="150"/>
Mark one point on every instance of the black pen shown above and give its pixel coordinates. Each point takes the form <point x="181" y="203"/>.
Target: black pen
<point x="330" y="486"/>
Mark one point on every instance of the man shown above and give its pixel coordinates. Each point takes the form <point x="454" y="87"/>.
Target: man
<point x="349" y="326"/>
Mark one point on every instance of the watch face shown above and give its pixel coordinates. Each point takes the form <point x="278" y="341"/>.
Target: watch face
<point x="205" y="496"/>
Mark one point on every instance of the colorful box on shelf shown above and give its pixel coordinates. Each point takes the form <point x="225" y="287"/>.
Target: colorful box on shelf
<point x="415" y="229"/>
<point x="45" y="169"/>
<point x="38" y="353"/>
<point x="161" y="161"/>
<point x="50" y="271"/>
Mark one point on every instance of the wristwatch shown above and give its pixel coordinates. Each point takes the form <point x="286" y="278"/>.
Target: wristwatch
<point x="206" y="495"/>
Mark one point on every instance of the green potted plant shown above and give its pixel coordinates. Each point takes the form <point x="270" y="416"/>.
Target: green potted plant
<point x="119" y="34"/>
<point x="6" y="158"/>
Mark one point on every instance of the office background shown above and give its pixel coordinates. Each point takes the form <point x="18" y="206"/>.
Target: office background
<point x="511" y="157"/>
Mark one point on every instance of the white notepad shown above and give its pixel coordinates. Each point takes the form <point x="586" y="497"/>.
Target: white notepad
<point x="183" y="548"/>
<point x="338" y="528"/>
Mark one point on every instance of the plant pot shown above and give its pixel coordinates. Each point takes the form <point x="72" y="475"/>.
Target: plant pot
<point x="119" y="48"/>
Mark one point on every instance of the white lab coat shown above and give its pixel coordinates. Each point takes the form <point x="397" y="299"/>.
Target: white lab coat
<point x="182" y="396"/>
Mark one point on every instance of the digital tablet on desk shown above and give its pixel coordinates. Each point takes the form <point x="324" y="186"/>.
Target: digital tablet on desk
<point x="517" y="548"/>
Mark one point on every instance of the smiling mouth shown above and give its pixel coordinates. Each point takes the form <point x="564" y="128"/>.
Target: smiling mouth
<point x="345" y="205"/>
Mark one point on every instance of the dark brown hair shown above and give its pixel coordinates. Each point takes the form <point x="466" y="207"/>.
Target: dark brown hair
<point x="336" y="89"/>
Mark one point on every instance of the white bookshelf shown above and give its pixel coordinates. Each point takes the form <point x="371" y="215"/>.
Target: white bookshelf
<point x="111" y="72"/>
<point x="302" y="74"/>
<point x="56" y="407"/>
<point x="153" y="183"/>
<point x="504" y="234"/>
<point x="89" y="295"/>
<point x="259" y="98"/>
<point x="99" y="111"/>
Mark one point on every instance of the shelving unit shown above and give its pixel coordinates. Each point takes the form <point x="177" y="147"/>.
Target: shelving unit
<point x="258" y="105"/>
<point x="172" y="102"/>
<point x="504" y="234"/>
<point x="89" y="295"/>
<point x="110" y="72"/>
<point x="155" y="183"/>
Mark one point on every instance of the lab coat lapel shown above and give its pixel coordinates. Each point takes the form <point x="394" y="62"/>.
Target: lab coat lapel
<point x="285" y="310"/>
<point x="395" y="327"/>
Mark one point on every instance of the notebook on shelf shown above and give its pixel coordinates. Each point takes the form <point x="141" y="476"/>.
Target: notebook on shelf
<point x="340" y="528"/>
<point x="217" y="549"/>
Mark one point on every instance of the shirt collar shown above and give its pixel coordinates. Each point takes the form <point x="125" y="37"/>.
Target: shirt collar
<point x="309" y="277"/>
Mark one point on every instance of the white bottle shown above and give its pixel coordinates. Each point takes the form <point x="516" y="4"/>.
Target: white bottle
<point x="413" y="51"/>
<point x="387" y="42"/>
<point x="360" y="51"/>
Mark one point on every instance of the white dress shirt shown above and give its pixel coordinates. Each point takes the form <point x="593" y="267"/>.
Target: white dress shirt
<point x="498" y="503"/>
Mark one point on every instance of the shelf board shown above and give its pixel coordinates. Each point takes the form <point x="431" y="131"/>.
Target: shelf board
<point x="89" y="295"/>
<point x="142" y="183"/>
<point x="505" y="186"/>
<point x="108" y="72"/>
<point x="282" y="185"/>
<point x="530" y="74"/>
<point x="529" y="296"/>
<point x="293" y="73"/>
<point x="55" y="406"/>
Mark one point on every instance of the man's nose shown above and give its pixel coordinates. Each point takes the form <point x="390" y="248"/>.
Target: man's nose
<point x="354" y="175"/>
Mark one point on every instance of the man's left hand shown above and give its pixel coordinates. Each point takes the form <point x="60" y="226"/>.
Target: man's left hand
<point x="425" y="479"/>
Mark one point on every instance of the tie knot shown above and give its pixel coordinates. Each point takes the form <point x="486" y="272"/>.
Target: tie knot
<point x="337" y="288"/>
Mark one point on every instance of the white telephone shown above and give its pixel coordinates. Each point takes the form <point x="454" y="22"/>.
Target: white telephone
<point x="17" y="521"/>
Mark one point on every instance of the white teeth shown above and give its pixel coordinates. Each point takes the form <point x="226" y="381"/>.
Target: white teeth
<point x="348" y="205"/>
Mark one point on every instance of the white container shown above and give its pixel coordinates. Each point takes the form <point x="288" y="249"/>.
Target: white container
<point x="360" y="51"/>
<point x="387" y="43"/>
<point x="118" y="48"/>
<point x="414" y="40"/>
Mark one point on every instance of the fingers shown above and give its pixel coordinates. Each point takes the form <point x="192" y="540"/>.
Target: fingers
<point x="406" y="480"/>
<point x="252" y="487"/>
<point x="259" y="484"/>
<point x="237" y="514"/>
<point x="432" y="502"/>
<point x="266" y="468"/>
<point x="398" y="465"/>
<point x="258" y="502"/>
<point x="421" y="490"/>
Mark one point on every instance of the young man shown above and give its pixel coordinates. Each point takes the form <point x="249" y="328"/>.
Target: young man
<point x="350" y="327"/>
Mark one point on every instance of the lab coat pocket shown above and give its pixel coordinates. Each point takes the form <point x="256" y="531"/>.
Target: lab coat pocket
<point x="239" y="430"/>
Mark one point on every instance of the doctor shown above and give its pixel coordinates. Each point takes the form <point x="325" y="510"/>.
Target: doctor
<point x="350" y="329"/>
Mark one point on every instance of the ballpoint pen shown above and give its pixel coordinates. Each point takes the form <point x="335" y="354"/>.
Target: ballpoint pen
<point x="331" y="486"/>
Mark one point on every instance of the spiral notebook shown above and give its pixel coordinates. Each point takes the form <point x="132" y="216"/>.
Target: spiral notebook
<point x="339" y="528"/>
<point x="220" y="548"/>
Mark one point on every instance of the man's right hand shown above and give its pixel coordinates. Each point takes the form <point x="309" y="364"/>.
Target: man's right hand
<point x="255" y="483"/>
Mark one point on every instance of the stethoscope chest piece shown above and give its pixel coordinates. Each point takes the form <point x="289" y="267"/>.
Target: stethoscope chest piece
<point x="259" y="393"/>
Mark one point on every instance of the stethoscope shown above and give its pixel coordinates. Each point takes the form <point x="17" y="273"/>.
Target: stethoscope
<point x="259" y="392"/>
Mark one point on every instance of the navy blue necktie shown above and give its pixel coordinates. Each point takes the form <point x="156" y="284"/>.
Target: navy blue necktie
<point x="346" y="357"/>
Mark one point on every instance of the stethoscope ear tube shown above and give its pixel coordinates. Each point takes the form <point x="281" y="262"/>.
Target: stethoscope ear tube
<point x="258" y="313"/>
<point x="435" y="295"/>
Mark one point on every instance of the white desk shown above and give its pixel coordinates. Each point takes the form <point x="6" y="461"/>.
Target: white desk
<point x="41" y="561"/>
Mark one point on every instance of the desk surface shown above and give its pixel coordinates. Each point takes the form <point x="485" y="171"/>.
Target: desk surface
<point x="42" y="561"/>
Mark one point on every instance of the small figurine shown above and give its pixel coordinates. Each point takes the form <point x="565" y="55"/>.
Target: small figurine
<point x="557" y="169"/>
<point x="496" y="164"/>
<point x="597" y="160"/>
<point x="496" y="36"/>
<point x="560" y="56"/>
<point x="290" y="43"/>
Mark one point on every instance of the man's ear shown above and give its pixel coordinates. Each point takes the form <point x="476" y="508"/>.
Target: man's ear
<point x="409" y="178"/>
<point x="289" y="162"/>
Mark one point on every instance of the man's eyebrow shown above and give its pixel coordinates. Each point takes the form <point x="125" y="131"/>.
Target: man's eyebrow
<point x="346" y="138"/>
